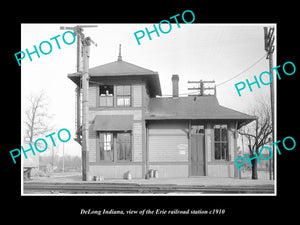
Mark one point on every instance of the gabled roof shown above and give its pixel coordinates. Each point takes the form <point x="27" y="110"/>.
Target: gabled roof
<point x="121" y="68"/>
<point x="194" y="108"/>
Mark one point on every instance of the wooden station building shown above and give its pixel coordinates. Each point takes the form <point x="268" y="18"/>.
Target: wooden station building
<point x="132" y="129"/>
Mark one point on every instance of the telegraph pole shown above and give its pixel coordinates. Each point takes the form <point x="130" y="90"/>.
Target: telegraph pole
<point x="78" y="31"/>
<point x="83" y="54"/>
<point x="269" y="48"/>
<point x="201" y="87"/>
<point x="85" y="97"/>
<point x="86" y="42"/>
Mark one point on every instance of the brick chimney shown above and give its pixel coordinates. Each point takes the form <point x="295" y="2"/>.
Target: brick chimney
<point x="175" y="80"/>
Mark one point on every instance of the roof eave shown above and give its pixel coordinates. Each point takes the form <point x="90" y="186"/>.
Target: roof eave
<point x="245" y="122"/>
<point x="154" y="82"/>
<point x="75" y="77"/>
<point x="240" y="122"/>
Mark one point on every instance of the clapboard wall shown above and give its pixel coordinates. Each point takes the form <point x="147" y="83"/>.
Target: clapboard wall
<point x="168" y="148"/>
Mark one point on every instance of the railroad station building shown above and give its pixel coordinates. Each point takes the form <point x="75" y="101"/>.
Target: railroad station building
<point x="133" y="129"/>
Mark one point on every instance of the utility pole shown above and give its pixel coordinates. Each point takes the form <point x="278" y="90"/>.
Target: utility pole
<point x="83" y="54"/>
<point x="201" y="87"/>
<point x="269" y="48"/>
<point x="78" y="31"/>
<point x="85" y="105"/>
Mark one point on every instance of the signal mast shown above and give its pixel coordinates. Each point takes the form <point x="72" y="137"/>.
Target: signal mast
<point x="83" y="54"/>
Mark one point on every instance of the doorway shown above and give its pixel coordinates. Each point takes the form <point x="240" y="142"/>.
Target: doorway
<point x="197" y="157"/>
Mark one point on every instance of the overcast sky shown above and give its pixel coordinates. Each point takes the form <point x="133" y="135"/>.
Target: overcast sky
<point x="193" y="51"/>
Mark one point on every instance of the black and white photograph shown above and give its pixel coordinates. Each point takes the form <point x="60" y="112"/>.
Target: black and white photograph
<point x="166" y="114"/>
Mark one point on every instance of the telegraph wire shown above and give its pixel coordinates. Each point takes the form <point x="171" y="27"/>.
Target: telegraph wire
<point x="242" y="71"/>
<point x="195" y="92"/>
<point x="239" y="74"/>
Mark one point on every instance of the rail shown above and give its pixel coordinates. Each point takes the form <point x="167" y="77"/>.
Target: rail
<point x="107" y="188"/>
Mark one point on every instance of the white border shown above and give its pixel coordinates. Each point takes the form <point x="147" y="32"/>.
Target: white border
<point x="188" y="194"/>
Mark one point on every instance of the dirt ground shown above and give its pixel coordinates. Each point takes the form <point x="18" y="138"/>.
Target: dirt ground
<point x="264" y="175"/>
<point x="70" y="177"/>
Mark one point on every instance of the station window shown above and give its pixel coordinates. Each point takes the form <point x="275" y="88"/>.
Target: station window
<point x="123" y="95"/>
<point x="106" y="146"/>
<point x="221" y="142"/>
<point x="115" y="146"/>
<point x="106" y="95"/>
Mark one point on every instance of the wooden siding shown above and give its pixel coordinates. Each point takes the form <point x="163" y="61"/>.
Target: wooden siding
<point x="208" y="143"/>
<point x="146" y="96"/>
<point x="93" y="90"/>
<point x="137" y="97"/>
<point x="92" y="144"/>
<point x="137" y="142"/>
<point x="168" y="149"/>
<point x="231" y="141"/>
<point x="168" y="142"/>
<point x="92" y="150"/>
<point x="171" y="171"/>
<point x="221" y="170"/>
<point x="137" y="89"/>
<point x="116" y="171"/>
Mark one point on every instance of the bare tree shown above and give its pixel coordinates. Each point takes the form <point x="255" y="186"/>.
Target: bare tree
<point x="36" y="123"/>
<point x="258" y="133"/>
<point x="36" y="117"/>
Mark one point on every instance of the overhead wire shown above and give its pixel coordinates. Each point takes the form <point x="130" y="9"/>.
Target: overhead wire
<point x="243" y="71"/>
<point x="235" y="76"/>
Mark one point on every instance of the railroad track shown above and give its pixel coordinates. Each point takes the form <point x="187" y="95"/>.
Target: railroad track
<point x="79" y="188"/>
